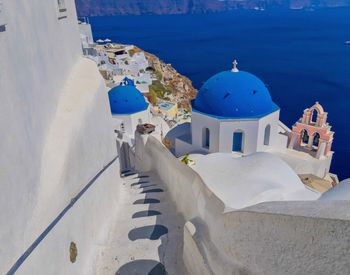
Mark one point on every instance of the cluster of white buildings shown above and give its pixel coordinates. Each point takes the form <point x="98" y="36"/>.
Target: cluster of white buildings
<point x="67" y="138"/>
<point x="117" y="61"/>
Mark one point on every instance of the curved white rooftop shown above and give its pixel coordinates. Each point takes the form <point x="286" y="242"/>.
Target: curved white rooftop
<point x="340" y="192"/>
<point x="244" y="181"/>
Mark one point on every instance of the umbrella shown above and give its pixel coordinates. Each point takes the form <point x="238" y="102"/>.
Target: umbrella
<point x="100" y="41"/>
<point x="108" y="40"/>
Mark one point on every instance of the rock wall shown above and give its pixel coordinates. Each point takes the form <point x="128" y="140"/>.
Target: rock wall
<point x="182" y="91"/>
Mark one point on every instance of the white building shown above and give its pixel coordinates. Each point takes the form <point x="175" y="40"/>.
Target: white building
<point x="86" y="37"/>
<point x="233" y="112"/>
<point x="56" y="137"/>
<point x="129" y="108"/>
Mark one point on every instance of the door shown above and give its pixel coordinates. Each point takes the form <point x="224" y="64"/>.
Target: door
<point x="237" y="144"/>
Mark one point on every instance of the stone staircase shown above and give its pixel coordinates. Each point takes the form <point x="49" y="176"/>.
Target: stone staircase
<point x="148" y="233"/>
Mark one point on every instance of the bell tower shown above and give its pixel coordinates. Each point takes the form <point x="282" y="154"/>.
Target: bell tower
<point x="312" y="132"/>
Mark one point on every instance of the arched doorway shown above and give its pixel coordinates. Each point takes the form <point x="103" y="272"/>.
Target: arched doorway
<point x="305" y="137"/>
<point x="316" y="140"/>
<point x="206" y="138"/>
<point x="237" y="141"/>
<point x="267" y="135"/>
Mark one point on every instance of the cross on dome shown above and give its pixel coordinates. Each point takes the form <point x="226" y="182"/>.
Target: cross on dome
<point x="235" y="69"/>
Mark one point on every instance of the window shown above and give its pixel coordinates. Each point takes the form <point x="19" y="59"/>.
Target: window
<point x="62" y="10"/>
<point x="61" y="5"/>
<point x="237" y="142"/>
<point x="267" y="135"/>
<point x="206" y="138"/>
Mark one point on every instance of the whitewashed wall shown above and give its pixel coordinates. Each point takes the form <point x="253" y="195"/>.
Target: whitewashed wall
<point x="131" y="121"/>
<point x="273" y="121"/>
<point x="250" y="134"/>
<point x="56" y="135"/>
<point x="199" y="122"/>
<point x="269" y="238"/>
<point x="86" y="34"/>
<point x="221" y="132"/>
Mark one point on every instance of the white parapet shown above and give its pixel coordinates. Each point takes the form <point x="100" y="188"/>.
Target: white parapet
<point x="311" y="237"/>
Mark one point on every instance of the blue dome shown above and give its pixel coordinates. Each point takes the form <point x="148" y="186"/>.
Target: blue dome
<point x="125" y="99"/>
<point x="234" y="95"/>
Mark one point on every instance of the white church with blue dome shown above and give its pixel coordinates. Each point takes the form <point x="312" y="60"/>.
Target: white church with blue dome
<point x="128" y="106"/>
<point x="233" y="112"/>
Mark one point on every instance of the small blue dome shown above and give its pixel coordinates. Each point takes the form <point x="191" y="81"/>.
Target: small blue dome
<point x="125" y="99"/>
<point x="234" y="95"/>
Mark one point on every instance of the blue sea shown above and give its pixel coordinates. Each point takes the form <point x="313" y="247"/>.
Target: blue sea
<point x="300" y="55"/>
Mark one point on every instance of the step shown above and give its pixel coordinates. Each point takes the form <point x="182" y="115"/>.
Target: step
<point x="134" y="181"/>
<point x="148" y="231"/>
<point x="133" y="176"/>
<point x="144" y="185"/>
<point x="138" y="211"/>
<point x="135" y="194"/>
<point x="148" y="190"/>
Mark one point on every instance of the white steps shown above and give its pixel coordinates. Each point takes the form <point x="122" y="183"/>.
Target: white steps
<point x="141" y="243"/>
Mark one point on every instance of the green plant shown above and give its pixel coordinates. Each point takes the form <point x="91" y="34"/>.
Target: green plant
<point x="152" y="97"/>
<point x="159" y="75"/>
<point x="158" y="88"/>
<point x="186" y="159"/>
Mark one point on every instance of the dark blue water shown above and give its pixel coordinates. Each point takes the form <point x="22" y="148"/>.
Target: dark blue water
<point x="300" y="55"/>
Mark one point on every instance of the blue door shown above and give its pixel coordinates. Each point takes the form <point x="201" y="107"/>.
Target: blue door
<point x="237" y="142"/>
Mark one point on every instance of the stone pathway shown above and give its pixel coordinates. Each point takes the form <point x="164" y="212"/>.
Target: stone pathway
<point x="148" y="234"/>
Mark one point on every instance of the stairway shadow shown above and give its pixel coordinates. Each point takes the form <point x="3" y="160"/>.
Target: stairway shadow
<point x="142" y="267"/>
<point x="151" y="232"/>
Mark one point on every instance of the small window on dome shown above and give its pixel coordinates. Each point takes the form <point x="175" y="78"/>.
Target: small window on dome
<point x="255" y="92"/>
